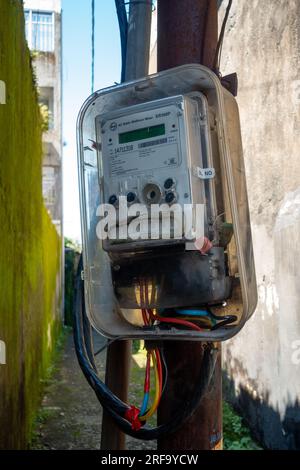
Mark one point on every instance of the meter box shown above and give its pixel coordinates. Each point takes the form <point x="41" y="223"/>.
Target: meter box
<point x="164" y="209"/>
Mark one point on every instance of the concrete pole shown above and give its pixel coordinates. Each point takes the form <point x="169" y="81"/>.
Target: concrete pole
<point x="119" y="353"/>
<point x="139" y="34"/>
<point x="188" y="33"/>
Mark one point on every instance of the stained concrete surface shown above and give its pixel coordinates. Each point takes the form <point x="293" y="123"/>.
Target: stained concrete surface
<point x="70" y="417"/>
<point x="262" y="44"/>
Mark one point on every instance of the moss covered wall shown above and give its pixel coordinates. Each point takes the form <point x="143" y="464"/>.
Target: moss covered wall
<point x="29" y="244"/>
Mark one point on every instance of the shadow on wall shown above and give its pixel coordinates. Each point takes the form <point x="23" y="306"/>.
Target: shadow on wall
<point x="267" y="426"/>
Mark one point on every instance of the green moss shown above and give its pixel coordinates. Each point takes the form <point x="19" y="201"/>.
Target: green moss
<point x="30" y="246"/>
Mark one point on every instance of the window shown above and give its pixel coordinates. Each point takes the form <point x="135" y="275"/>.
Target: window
<point x="49" y="182"/>
<point x="46" y="98"/>
<point x="27" y="18"/>
<point x="39" y="27"/>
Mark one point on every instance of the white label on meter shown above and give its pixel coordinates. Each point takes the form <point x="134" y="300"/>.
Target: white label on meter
<point x="206" y="173"/>
<point x="132" y="160"/>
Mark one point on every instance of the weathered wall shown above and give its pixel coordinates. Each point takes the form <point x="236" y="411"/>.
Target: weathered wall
<point x="29" y="245"/>
<point x="263" y="363"/>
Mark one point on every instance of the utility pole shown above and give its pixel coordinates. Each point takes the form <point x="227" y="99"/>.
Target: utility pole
<point x="119" y="353"/>
<point x="188" y="33"/>
<point x="138" y="42"/>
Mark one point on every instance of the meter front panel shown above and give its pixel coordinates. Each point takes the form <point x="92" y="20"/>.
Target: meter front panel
<point x="146" y="148"/>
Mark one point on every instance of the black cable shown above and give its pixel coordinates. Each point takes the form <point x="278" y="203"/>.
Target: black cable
<point x="224" y="320"/>
<point x="139" y="2"/>
<point x="166" y="374"/>
<point x="217" y="59"/>
<point x="88" y="343"/>
<point x="113" y="405"/>
<point x="106" y="346"/>
<point x="123" y="25"/>
<point x="80" y="346"/>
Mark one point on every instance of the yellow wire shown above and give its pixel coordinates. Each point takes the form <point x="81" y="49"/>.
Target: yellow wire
<point x="157" y="397"/>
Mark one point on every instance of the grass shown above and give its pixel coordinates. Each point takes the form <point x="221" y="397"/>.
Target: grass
<point x="44" y="414"/>
<point x="237" y="435"/>
<point x="57" y="353"/>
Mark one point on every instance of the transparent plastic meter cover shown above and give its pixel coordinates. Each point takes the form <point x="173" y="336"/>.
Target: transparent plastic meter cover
<point x="230" y="205"/>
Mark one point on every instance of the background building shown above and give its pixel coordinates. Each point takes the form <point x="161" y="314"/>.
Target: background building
<point x="44" y="37"/>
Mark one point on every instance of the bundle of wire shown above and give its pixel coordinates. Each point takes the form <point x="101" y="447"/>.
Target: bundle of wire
<point x="205" y="319"/>
<point x="145" y="413"/>
<point x="155" y="355"/>
<point x="149" y="318"/>
<point x="138" y="417"/>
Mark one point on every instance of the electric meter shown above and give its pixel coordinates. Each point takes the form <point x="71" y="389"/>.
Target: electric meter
<point x="146" y="151"/>
<point x="152" y="154"/>
<point x="165" y="220"/>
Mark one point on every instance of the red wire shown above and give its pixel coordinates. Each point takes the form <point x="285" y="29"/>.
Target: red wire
<point x="176" y="321"/>
<point x="144" y="311"/>
<point x="151" y="314"/>
<point x="147" y="375"/>
<point x="145" y="319"/>
<point x="160" y="373"/>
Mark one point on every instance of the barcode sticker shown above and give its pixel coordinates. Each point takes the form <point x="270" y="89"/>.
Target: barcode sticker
<point x="152" y="143"/>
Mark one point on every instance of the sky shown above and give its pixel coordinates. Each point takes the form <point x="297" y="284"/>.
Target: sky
<point x="77" y="83"/>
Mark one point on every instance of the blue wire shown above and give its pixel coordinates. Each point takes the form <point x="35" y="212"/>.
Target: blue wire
<point x="145" y="404"/>
<point x="197" y="313"/>
<point x="193" y="313"/>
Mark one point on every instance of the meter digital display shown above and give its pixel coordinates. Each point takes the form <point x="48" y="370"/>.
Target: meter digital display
<point x="142" y="134"/>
